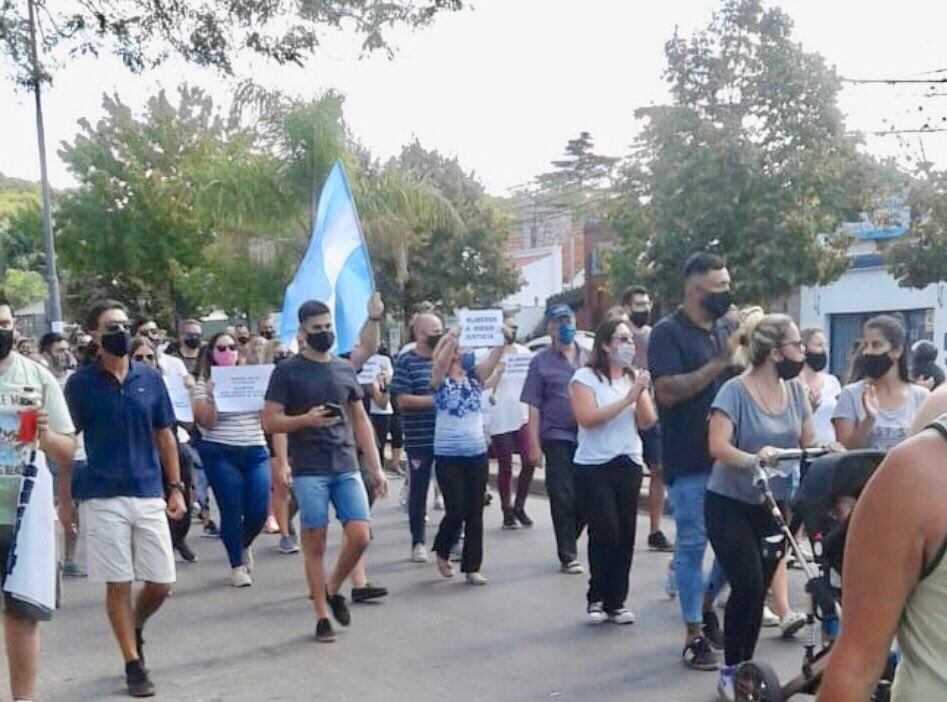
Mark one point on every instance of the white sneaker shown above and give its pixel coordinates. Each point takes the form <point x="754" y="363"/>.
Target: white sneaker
<point x="572" y="568"/>
<point x="248" y="557"/>
<point x="790" y="625"/>
<point x="476" y="579"/>
<point x="769" y="618"/>
<point x="419" y="554"/>
<point x="240" y="577"/>
<point x="621" y="616"/>
<point x="595" y="613"/>
<point x="725" y="688"/>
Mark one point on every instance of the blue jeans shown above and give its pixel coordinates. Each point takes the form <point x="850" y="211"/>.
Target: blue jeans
<point x="240" y="477"/>
<point x="420" y="465"/>
<point x="686" y="496"/>
<point x="345" y="491"/>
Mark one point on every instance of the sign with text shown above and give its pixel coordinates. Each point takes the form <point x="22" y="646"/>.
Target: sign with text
<point x="480" y="328"/>
<point x="370" y="370"/>
<point x="240" y="388"/>
<point x="516" y="364"/>
<point x="180" y="398"/>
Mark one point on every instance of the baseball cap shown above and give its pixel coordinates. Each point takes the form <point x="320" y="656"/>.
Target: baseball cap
<point x="557" y="311"/>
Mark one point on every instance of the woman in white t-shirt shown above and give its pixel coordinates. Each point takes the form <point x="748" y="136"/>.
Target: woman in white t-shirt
<point x="233" y="448"/>
<point x="611" y="405"/>
<point x="823" y="388"/>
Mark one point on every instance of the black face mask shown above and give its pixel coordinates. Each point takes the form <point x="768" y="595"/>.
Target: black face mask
<point x="787" y="369"/>
<point x="243" y="339"/>
<point x="117" y="343"/>
<point x="817" y="361"/>
<point x="876" y="365"/>
<point x="192" y="341"/>
<point x="6" y="343"/>
<point x="320" y="341"/>
<point x="432" y="341"/>
<point x="640" y="319"/>
<point x="267" y="334"/>
<point x="716" y="304"/>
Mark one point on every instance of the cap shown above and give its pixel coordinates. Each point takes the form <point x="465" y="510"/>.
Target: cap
<point x="557" y="311"/>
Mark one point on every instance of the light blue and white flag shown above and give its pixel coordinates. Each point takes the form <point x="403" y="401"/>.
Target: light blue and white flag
<point x="336" y="269"/>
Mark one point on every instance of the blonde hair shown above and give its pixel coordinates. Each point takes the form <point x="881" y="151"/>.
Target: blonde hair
<point x="766" y="335"/>
<point x="749" y="317"/>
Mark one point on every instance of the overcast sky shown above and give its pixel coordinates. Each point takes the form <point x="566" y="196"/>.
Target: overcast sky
<point x="505" y="85"/>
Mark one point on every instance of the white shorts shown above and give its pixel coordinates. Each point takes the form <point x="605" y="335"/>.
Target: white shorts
<point x="127" y="538"/>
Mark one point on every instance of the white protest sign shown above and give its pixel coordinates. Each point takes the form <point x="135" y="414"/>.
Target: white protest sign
<point x="516" y="364"/>
<point x="370" y="370"/>
<point x="240" y="388"/>
<point x="480" y="328"/>
<point x="180" y="398"/>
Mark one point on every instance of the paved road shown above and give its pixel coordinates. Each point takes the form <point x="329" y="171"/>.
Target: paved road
<point x="521" y="638"/>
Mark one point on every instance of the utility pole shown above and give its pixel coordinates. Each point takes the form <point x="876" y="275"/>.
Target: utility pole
<point x="54" y="305"/>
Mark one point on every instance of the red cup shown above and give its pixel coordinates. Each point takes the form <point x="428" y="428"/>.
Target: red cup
<point x="27" y="426"/>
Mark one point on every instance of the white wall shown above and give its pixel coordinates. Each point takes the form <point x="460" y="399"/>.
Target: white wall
<point x="541" y="278"/>
<point x="872" y="290"/>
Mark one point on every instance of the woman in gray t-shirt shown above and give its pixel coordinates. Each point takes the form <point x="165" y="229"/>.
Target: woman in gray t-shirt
<point x="755" y="414"/>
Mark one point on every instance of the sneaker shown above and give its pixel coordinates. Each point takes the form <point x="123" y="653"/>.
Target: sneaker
<point x="621" y="616"/>
<point x="572" y="568"/>
<point x="698" y="655"/>
<point x="340" y="610"/>
<point x="670" y="581"/>
<point x="324" y="631"/>
<point x="509" y="521"/>
<point x="522" y="517"/>
<point x="770" y="619"/>
<point x="210" y="530"/>
<point x="476" y="579"/>
<point x="445" y="568"/>
<point x="137" y="680"/>
<point x="270" y="526"/>
<point x="790" y="625"/>
<point x="657" y="541"/>
<point x="71" y="569"/>
<point x="419" y="554"/>
<point x="186" y="553"/>
<point x="248" y="557"/>
<point x="711" y="629"/>
<point x="368" y="592"/>
<point x="595" y="613"/>
<point x="438" y="504"/>
<point x="287" y="544"/>
<point x="240" y="577"/>
<point x="725" y="686"/>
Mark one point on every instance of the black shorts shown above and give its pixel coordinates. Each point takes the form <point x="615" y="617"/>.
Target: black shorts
<point x="11" y="604"/>
<point x="651" y="448"/>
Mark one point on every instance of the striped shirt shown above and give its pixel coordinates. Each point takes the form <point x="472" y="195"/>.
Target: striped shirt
<point x="413" y="377"/>
<point x="231" y="428"/>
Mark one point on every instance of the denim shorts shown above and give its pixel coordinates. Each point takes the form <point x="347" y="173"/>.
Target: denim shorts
<point x="346" y="491"/>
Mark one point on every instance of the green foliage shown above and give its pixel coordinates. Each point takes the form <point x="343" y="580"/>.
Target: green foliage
<point x="751" y="161"/>
<point x="144" y="34"/>
<point x="580" y="180"/>
<point x="921" y="257"/>
<point x="21" y="230"/>
<point x="22" y="288"/>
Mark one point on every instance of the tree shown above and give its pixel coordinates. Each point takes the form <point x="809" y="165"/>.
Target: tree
<point x="751" y="160"/>
<point x="22" y="288"/>
<point x="579" y="181"/>
<point x="21" y="235"/>
<point x="920" y="258"/>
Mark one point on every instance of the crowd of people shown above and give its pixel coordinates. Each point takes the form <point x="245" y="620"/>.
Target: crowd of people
<point x="694" y="403"/>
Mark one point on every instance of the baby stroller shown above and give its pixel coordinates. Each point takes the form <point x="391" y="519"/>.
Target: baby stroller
<point x="831" y="484"/>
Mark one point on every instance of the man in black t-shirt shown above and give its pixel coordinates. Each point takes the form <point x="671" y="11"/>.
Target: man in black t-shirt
<point x="315" y="399"/>
<point x="688" y="355"/>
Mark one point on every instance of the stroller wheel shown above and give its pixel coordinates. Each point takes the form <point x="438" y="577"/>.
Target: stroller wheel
<point x="756" y="682"/>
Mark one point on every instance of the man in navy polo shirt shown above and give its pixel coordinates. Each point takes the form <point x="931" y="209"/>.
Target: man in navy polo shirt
<point x="689" y="358"/>
<point x="127" y="420"/>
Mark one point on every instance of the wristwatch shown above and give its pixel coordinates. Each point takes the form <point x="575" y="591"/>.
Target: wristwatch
<point x="179" y="485"/>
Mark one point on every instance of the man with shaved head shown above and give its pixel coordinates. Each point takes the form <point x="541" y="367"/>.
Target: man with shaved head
<point x="411" y="389"/>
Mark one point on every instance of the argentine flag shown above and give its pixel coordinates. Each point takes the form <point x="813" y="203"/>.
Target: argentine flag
<point x="336" y="269"/>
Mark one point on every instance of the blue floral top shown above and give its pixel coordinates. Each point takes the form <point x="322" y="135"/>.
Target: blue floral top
<point x="458" y="425"/>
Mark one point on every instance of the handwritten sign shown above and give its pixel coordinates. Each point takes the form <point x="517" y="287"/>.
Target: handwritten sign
<point x="180" y="398"/>
<point x="240" y="388"/>
<point x="370" y="370"/>
<point x="516" y="364"/>
<point x="480" y="328"/>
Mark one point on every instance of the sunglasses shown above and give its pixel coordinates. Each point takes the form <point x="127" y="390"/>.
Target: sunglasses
<point x="112" y="327"/>
<point x="145" y="357"/>
<point x="229" y="347"/>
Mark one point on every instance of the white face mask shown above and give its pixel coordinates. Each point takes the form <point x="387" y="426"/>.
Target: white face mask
<point x="622" y="354"/>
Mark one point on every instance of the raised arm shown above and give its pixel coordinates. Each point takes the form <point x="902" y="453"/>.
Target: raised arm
<point x="485" y="368"/>
<point x="443" y="355"/>
<point x="369" y="338"/>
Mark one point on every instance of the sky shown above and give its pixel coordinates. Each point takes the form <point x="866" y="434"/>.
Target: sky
<point x="503" y="86"/>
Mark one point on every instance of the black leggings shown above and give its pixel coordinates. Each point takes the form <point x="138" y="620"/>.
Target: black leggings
<point x="608" y="494"/>
<point x="736" y="531"/>
<point x="463" y="482"/>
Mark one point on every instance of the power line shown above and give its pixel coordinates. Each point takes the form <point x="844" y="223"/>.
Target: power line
<point x="902" y="131"/>
<point x="892" y="81"/>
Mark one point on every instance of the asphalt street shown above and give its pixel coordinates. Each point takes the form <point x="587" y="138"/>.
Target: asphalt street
<point x="522" y="638"/>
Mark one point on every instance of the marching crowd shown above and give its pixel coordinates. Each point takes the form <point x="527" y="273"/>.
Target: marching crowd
<point x="694" y="403"/>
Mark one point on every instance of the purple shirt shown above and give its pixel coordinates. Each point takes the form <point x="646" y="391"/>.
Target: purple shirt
<point x="547" y="389"/>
